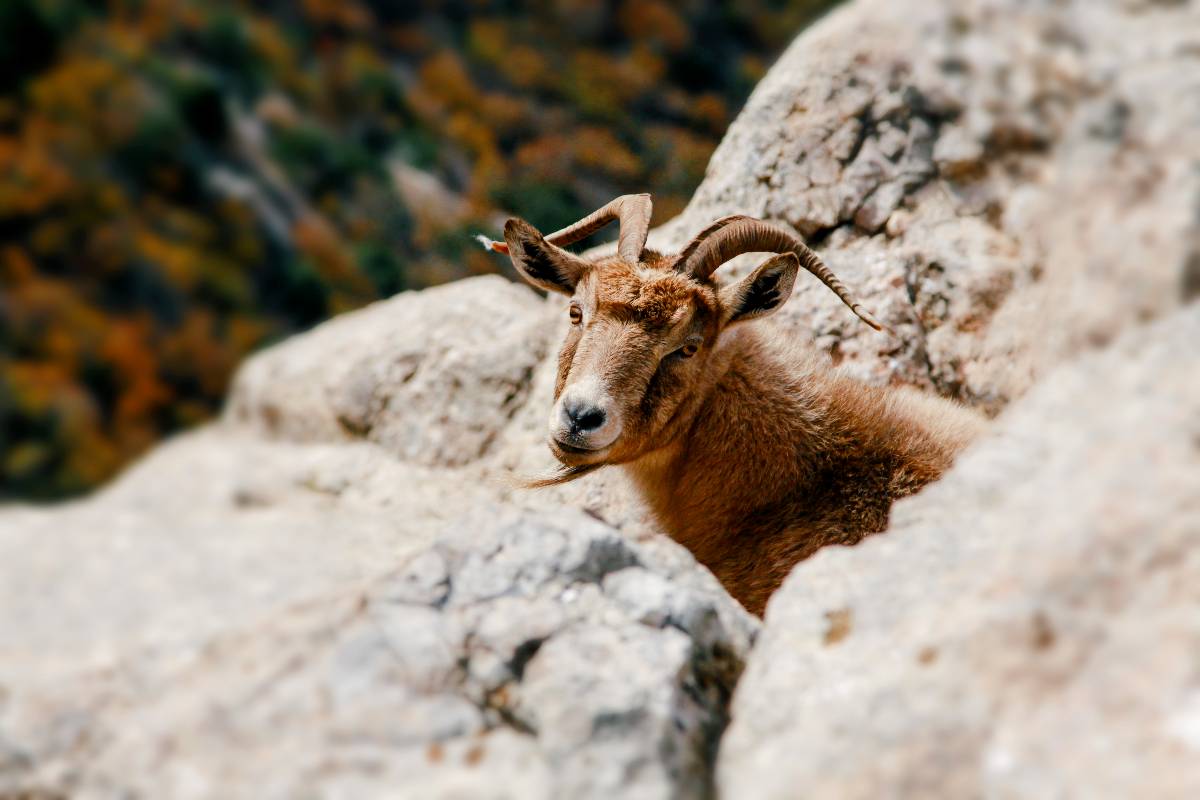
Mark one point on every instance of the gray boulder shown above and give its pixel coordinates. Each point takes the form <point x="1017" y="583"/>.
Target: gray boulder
<point x="336" y="590"/>
<point x="518" y="656"/>
<point x="1028" y="627"/>
<point x="432" y="377"/>
<point x="1005" y="184"/>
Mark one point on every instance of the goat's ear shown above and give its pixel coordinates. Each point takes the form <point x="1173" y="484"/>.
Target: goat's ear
<point x="540" y="262"/>
<point x="763" y="292"/>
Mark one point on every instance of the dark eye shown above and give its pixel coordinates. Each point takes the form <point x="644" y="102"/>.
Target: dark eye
<point x="576" y="314"/>
<point x="688" y="350"/>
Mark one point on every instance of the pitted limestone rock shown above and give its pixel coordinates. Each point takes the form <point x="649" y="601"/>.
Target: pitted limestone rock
<point x="546" y="650"/>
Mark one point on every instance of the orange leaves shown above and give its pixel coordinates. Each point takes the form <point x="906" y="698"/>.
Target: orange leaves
<point x="650" y="66"/>
<point x="269" y="42"/>
<point x="197" y="349"/>
<point x="527" y="68"/>
<point x="178" y="261"/>
<point x="129" y="349"/>
<point x="654" y="21"/>
<point x="489" y="41"/>
<point x="47" y="317"/>
<point x="95" y="457"/>
<point x="93" y="88"/>
<point x="599" y="149"/>
<point x="505" y="113"/>
<point x="492" y="42"/>
<point x="581" y="95"/>
<point x="16" y="268"/>
<point x="38" y="386"/>
<point x="445" y="78"/>
<point x="317" y="239"/>
<point x="602" y="85"/>
<point x="347" y="14"/>
<point x="35" y="180"/>
<point x="472" y="134"/>
<point x="592" y="149"/>
<point x="710" y="111"/>
<point x="545" y="157"/>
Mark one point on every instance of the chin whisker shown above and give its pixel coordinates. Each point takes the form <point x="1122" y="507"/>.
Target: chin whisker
<point x="565" y="475"/>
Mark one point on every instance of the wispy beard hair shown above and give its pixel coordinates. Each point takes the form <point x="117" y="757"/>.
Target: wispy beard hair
<point x="565" y="475"/>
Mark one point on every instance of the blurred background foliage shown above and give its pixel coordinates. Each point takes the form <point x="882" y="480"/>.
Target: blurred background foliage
<point x="182" y="181"/>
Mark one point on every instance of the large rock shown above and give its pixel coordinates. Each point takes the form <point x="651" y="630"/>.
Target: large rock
<point x="336" y="591"/>
<point x="1004" y="183"/>
<point x="211" y="530"/>
<point x="1037" y="195"/>
<point x="430" y="376"/>
<point x="1030" y="625"/>
<point x="284" y="605"/>
<point x="518" y="656"/>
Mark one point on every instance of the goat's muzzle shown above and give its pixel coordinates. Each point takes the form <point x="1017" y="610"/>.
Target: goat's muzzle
<point x="582" y="428"/>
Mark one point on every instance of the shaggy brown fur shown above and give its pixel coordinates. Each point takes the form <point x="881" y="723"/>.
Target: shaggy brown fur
<point x="750" y="451"/>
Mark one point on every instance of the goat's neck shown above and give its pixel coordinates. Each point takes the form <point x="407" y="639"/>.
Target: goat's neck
<point x="753" y="432"/>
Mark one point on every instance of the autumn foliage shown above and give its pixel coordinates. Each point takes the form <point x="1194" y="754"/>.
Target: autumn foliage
<point x="183" y="181"/>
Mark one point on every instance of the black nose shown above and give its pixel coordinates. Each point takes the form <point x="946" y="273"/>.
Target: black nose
<point x="583" y="417"/>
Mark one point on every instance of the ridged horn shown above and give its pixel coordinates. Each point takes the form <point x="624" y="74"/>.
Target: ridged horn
<point x="631" y="211"/>
<point x="732" y="236"/>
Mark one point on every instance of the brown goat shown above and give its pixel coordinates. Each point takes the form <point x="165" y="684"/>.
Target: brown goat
<point x="749" y="451"/>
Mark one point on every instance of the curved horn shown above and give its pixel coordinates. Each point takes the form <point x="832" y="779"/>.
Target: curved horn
<point x="631" y="210"/>
<point x="687" y="252"/>
<point x="733" y="236"/>
<point x="633" y="213"/>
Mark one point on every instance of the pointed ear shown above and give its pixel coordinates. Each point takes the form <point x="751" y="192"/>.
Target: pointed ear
<point x="541" y="263"/>
<point x="764" y="291"/>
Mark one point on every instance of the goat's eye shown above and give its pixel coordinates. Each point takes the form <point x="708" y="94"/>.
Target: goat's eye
<point x="688" y="350"/>
<point x="576" y="314"/>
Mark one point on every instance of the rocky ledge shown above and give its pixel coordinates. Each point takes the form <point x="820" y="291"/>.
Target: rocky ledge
<point x="335" y="592"/>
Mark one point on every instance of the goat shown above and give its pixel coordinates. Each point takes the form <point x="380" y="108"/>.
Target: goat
<point x="750" y="452"/>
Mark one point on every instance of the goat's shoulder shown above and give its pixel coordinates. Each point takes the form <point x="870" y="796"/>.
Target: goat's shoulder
<point x="949" y="423"/>
<point x="870" y="426"/>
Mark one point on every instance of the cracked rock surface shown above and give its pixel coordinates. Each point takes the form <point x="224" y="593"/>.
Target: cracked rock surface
<point x="335" y="591"/>
<point x="282" y="606"/>
<point x="1028" y="627"/>
<point x="519" y="656"/>
<point x="430" y="380"/>
<point x="1005" y="184"/>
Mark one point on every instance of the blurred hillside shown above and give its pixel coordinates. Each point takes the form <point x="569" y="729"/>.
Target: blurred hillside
<point x="184" y="181"/>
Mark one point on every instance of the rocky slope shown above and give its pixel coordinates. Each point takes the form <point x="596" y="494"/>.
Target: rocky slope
<point x="1029" y="626"/>
<point x="335" y="592"/>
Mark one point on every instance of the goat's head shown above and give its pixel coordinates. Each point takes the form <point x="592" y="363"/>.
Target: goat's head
<point x="644" y="325"/>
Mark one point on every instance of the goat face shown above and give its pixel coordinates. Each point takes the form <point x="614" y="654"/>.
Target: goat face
<point x="634" y="352"/>
<point x="636" y="356"/>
